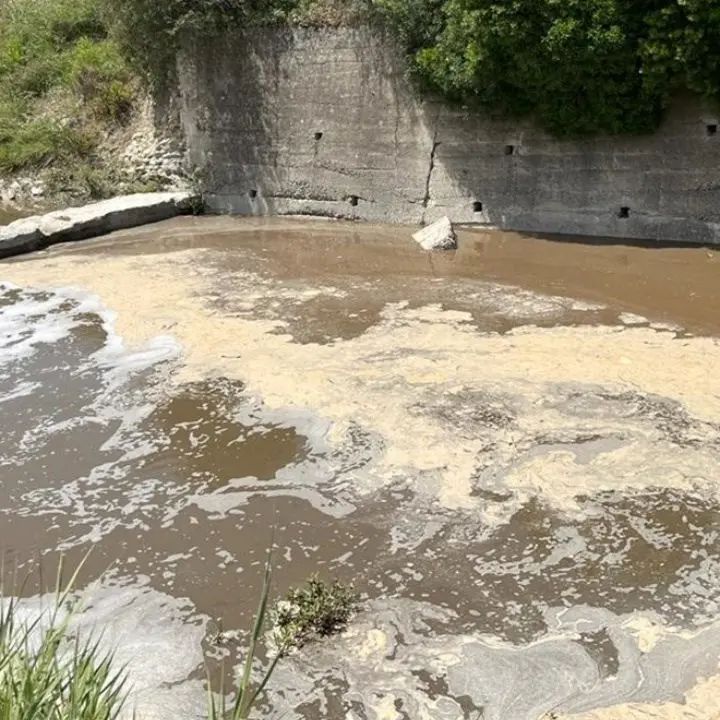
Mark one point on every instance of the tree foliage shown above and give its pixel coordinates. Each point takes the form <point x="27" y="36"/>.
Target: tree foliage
<point x="150" y="30"/>
<point x="578" y="66"/>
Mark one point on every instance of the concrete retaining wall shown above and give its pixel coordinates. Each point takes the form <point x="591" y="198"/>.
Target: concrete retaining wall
<point x="324" y="122"/>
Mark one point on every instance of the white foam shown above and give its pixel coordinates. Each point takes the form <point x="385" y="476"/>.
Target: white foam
<point x="22" y="389"/>
<point x="48" y="314"/>
<point x="40" y="316"/>
<point x="122" y="362"/>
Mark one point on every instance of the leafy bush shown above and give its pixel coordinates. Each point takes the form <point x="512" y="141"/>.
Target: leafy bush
<point x="149" y="31"/>
<point x="316" y="610"/>
<point x="328" y="13"/>
<point x="682" y="46"/>
<point x="578" y="66"/>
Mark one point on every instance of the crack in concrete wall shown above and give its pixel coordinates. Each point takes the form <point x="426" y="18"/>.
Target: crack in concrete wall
<point x="428" y="178"/>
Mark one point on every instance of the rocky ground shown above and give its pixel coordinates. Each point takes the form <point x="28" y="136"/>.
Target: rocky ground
<point x="144" y="155"/>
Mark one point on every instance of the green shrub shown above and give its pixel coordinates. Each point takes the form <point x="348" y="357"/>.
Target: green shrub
<point x="682" y="46"/>
<point x="578" y="66"/>
<point x="37" y="143"/>
<point x="317" y="609"/>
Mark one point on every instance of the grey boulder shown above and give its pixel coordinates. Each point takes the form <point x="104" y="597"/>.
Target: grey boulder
<point x="437" y="236"/>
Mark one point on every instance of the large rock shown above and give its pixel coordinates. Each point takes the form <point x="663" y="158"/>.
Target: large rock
<point x="437" y="236"/>
<point x="89" y="221"/>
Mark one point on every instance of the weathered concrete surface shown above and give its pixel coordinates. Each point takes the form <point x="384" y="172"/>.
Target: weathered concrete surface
<point x="324" y="122"/>
<point x="81" y="223"/>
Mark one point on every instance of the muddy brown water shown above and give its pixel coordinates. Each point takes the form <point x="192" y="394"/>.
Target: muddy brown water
<point x="375" y="265"/>
<point x="7" y="215"/>
<point x="186" y="485"/>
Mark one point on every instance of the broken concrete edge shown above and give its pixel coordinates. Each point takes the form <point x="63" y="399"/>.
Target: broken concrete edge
<point x="89" y="221"/>
<point x="439" y="235"/>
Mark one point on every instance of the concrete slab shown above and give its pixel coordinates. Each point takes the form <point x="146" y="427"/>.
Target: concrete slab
<point x="81" y="223"/>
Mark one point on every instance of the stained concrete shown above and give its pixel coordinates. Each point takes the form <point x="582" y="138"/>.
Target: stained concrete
<point x="126" y="211"/>
<point x="324" y="122"/>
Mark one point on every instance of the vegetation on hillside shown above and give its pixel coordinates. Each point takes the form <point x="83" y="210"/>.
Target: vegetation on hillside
<point x="63" y="82"/>
<point x="577" y="66"/>
<point x="70" y="69"/>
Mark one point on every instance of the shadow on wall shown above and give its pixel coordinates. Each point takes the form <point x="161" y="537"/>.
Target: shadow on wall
<point x="324" y="122"/>
<point x="227" y="114"/>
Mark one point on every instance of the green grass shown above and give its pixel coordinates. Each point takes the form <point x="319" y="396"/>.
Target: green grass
<point x="26" y="143"/>
<point x="46" y="673"/>
<point x="245" y="696"/>
<point x="63" y="82"/>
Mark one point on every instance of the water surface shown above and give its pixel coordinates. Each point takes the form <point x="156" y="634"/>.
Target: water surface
<point x="506" y="449"/>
